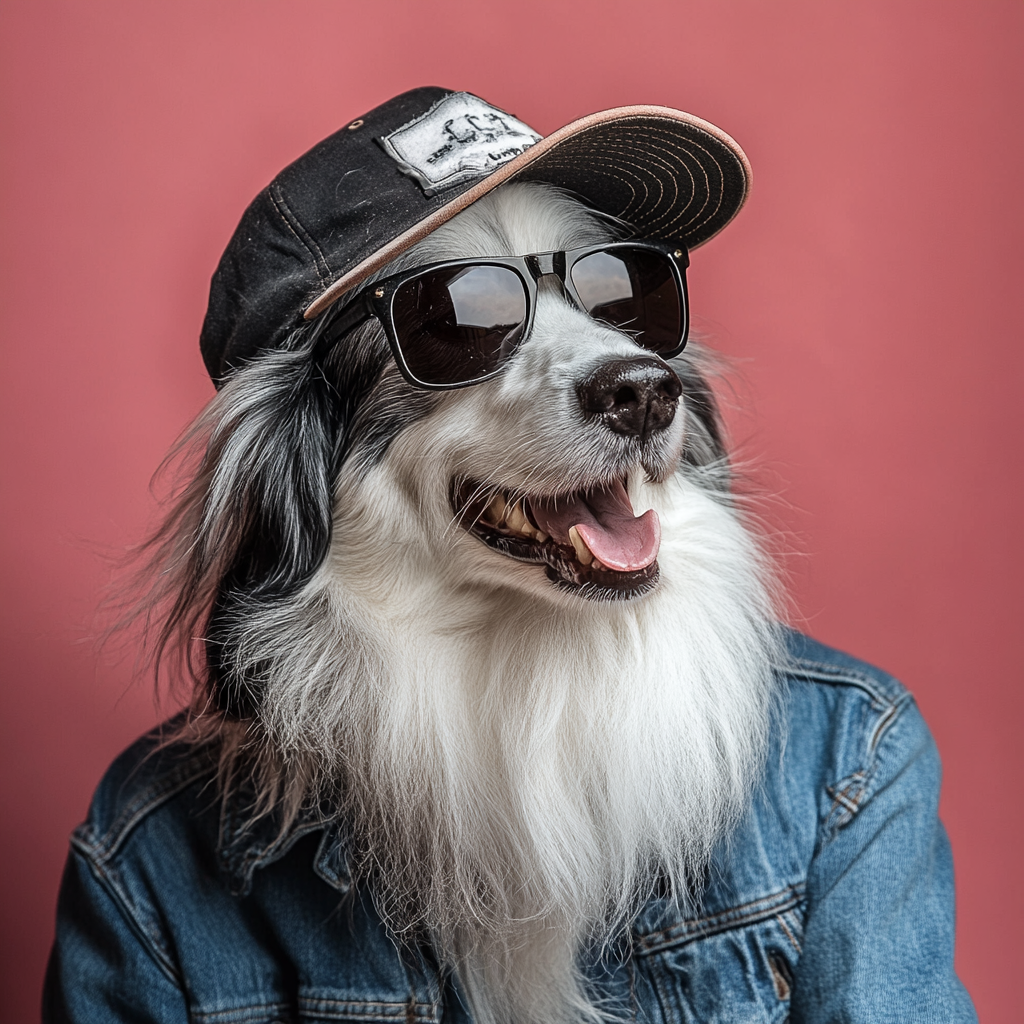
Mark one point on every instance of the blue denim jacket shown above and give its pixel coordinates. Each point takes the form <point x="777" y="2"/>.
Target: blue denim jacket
<point x="832" y="902"/>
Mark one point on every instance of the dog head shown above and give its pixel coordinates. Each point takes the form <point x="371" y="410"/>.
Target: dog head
<point x="547" y="481"/>
<point x="528" y="479"/>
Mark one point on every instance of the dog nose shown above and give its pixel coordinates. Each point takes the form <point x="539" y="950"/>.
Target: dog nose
<point x="634" y="397"/>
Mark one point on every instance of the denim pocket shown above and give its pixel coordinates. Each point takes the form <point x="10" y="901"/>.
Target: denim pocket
<point x="737" y="971"/>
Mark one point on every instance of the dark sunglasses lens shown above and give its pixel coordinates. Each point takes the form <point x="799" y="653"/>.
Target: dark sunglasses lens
<point x="455" y="325"/>
<point x="634" y="290"/>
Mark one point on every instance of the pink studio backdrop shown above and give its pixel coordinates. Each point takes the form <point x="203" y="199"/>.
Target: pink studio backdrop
<point x="869" y="295"/>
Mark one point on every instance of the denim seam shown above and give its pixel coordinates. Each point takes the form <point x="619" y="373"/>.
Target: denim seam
<point x="340" y="880"/>
<point x="149" y="941"/>
<point x="783" y="992"/>
<point x="254" y="1013"/>
<point x="416" y="972"/>
<point x="344" y="1009"/>
<point x="781" y="918"/>
<point x="885" y="721"/>
<point x="260" y="856"/>
<point x="802" y="668"/>
<point x="683" y="932"/>
<point x="851" y="793"/>
<point x="661" y="979"/>
<point x="101" y="848"/>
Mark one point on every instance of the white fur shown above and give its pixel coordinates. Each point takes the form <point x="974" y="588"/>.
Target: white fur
<point x="520" y="764"/>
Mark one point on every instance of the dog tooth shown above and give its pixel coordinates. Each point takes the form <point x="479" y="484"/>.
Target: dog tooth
<point x="542" y="536"/>
<point x="583" y="553"/>
<point x="516" y="519"/>
<point x="496" y="509"/>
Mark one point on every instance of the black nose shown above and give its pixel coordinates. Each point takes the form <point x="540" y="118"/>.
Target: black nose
<point x="635" y="397"/>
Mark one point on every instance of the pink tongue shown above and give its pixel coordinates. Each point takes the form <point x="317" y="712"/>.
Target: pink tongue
<point x="606" y="523"/>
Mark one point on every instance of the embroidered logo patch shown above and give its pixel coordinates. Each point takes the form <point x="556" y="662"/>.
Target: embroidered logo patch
<point x="458" y="139"/>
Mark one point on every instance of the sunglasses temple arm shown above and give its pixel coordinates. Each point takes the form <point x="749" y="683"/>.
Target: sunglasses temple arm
<point x="349" y="318"/>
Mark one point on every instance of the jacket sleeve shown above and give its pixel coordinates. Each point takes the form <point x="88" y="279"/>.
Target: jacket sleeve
<point x="103" y="967"/>
<point x="878" y="941"/>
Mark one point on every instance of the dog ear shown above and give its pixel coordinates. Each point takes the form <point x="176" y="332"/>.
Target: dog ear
<point x="253" y="523"/>
<point x="269" y="503"/>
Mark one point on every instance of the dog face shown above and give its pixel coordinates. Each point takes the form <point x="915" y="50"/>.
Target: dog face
<point x="541" y="479"/>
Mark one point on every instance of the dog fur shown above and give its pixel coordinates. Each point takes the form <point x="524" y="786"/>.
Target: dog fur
<point x="520" y="764"/>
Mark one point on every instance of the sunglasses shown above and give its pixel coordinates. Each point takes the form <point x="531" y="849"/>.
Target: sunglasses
<point x="456" y="323"/>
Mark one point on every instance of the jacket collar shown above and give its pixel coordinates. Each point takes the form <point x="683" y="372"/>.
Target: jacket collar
<point x="248" y="842"/>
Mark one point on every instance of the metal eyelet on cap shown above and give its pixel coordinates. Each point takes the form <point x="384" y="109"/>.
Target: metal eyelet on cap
<point x="379" y="293"/>
<point x="355" y="124"/>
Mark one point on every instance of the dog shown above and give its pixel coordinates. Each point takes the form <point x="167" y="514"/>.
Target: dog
<point x="530" y="727"/>
<point x="491" y="715"/>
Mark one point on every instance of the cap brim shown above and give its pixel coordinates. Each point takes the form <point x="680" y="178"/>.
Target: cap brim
<point x="669" y="174"/>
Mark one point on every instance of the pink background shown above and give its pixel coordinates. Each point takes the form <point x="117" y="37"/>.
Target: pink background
<point x="870" y="295"/>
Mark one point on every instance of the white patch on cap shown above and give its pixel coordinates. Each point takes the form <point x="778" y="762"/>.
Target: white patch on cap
<point x="460" y="138"/>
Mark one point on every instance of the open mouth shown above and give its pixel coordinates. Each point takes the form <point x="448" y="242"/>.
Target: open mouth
<point x="589" y="541"/>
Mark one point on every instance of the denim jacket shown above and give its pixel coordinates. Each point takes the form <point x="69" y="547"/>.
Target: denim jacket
<point x="833" y="901"/>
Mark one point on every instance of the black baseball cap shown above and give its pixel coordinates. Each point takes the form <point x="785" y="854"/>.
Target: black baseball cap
<point x="386" y="180"/>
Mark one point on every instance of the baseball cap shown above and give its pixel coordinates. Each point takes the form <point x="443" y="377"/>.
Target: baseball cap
<point x="378" y="185"/>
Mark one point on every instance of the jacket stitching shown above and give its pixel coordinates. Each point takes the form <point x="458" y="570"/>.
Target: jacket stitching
<point x="345" y="1009"/>
<point x="338" y="1009"/>
<point x="727" y="920"/>
<point x="816" y="670"/>
<point x="144" y="923"/>
<point x="150" y="941"/>
<point x="101" y="848"/>
<point x="661" y="979"/>
<point x="856" y="789"/>
<point x="789" y="934"/>
<point x="779" y="982"/>
<point x="422" y="981"/>
<point x="850" y="795"/>
<point x="884" y="722"/>
<point x="240" y="1014"/>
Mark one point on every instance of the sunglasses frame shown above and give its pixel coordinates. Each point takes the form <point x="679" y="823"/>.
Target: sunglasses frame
<point x="377" y="298"/>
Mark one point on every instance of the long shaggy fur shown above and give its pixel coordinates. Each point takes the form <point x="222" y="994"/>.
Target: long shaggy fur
<point x="519" y="767"/>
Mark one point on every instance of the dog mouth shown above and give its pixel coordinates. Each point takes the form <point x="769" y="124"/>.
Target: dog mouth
<point x="589" y="540"/>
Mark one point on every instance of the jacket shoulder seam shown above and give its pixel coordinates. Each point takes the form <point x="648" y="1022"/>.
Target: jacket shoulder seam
<point x="880" y="691"/>
<point x="150" y="942"/>
<point x="101" y="847"/>
<point x="851" y="793"/>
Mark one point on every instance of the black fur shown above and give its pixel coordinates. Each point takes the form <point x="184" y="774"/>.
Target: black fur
<point x="279" y="482"/>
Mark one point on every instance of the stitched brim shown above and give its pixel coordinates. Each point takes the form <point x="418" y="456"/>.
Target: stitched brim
<point x="669" y="174"/>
